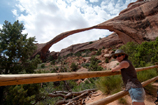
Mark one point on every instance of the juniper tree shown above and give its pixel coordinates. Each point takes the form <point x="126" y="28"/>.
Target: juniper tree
<point x="15" y="51"/>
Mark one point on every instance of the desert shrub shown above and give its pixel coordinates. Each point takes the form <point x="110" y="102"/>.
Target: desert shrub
<point x="78" y="54"/>
<point x="106" y="60"/>
<point x="43" y="66"/>
<point x="71" y="54"/>
<point x="74" y="67"/>
<point x="90" y="42"/>
<point x="42" y="71"/>
<point x="98" y="52"/>
<point x="99" y="61"/>
<point x="65" y="85"/>
<point x="63" y="69"/>
<point x="122" y="101"/>
<point x="50" y="58"/>
<point x="94" y="65"/>
<point x="49" y="88"/>
<point x="54" y="69"/>
<point x="145" y="75"/>
<point x="59" y="59"/>
<point x="87" y="52"/>
<point x="86" y="65"/>
<point x="150" y="90"/>
<point x="24" y="94"/>
<point x="52" y="62"/>
<point x="110" y="84"/>
<point x="147" y="52"/>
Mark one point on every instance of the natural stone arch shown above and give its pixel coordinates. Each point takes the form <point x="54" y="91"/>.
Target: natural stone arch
<point x="136" y="23"/>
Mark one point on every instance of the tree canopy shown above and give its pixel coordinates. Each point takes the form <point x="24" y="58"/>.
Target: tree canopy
<point x="15" y="48"/>
<point x="15" y="51"/>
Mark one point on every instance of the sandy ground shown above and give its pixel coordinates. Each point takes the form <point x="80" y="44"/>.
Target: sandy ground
<point x="99" y="95"/>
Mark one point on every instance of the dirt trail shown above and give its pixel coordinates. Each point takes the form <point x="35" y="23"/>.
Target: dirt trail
<point x="99" y="95"/>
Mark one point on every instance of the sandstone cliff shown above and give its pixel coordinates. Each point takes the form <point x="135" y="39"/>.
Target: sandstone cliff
<point x="107" y="42"/>
<point x="138" y="22"/>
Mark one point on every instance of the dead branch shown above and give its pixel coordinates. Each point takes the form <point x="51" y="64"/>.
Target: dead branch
<point x="72" y="98"/>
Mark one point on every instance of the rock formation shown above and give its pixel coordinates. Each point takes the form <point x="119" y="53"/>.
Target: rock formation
<point x="111" y="40"/>
<point x="138" y="22"/>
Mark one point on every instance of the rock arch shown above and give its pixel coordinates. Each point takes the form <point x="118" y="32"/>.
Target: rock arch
<point x="137" y="22"/>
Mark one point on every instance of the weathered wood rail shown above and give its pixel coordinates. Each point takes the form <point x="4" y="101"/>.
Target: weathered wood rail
<point x="120" y="94"/>
<point x="16" y="79"/>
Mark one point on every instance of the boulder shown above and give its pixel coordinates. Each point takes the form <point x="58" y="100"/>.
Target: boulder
<point x="111" y="65"/>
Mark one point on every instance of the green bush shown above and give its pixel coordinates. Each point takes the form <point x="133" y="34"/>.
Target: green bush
<point x="74" y="67"/>
<point x="78" y="54"/>
<point x="49" y="89"/>
<point x="140" y="55"/>
<point x="98" y="52"/>
<point x="24" y="94"/>
<point x="52" y="62"/>
<point x="50" y="58"/>
<point x="106" y="60"/>
<point x="42" y="71"/>
<point x="90" y="42"/>
<point x="145" y="75"/>
<point x="71" y="54"/>
<point x="43" y="66"/>
<point x="123" y="101"/>
<point x="87" y="52"/>
<point x="110" y="84"/>
<point x="86" y="65"/>
<point x="94" y="64"/>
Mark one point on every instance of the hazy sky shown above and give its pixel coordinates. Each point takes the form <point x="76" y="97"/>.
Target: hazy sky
<point x="45" y="19"/>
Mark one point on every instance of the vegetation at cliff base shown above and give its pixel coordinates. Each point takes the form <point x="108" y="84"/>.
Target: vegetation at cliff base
<point x="142" y="54"/>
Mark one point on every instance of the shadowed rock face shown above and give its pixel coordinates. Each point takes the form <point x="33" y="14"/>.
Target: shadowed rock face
<point x="139" y="22"/>
<point x="107" y="42"/>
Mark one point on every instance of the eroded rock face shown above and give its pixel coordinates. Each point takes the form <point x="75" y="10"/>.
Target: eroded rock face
<point x="109" y="41"/>
<point x="139" y="22"/>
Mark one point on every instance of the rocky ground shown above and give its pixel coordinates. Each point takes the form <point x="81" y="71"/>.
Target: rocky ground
<point x="149" y="100"/>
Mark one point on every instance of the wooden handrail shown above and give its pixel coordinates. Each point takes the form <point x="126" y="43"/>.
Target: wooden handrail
<point x="15" y="79"/>
<point x="120" y="94"/>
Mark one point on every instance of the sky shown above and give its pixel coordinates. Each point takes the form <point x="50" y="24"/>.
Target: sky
<point x="45" y="19"/>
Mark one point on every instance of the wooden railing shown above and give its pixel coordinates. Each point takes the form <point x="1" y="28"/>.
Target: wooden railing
<point x="120" y="94"/>
<point x="17" y="79"/>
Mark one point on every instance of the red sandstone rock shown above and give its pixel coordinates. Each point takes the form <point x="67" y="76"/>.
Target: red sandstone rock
<point x="107" y="42"/>
<point x="82" y="70"/>
<point x="86" y="59"/>
<point x="111" y="64"/>
<point x="139" y="22"/>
